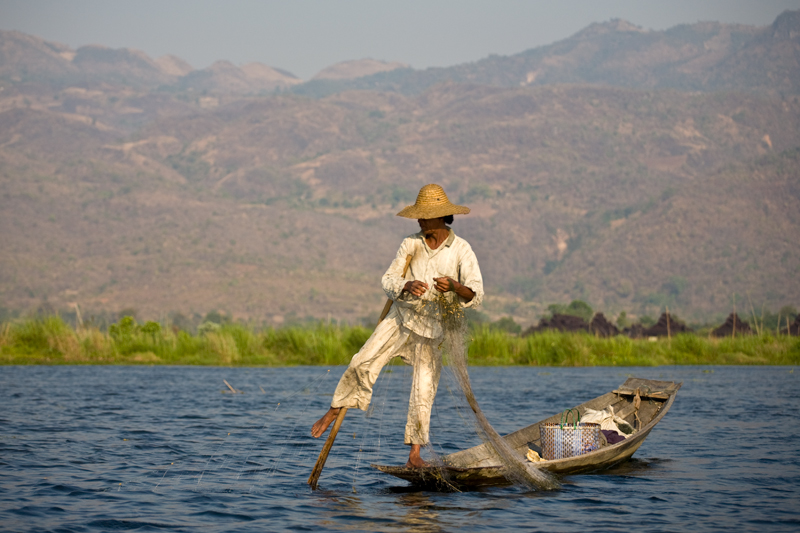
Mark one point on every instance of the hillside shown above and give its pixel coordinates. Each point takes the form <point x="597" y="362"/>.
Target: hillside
<point x="707" y="56"/>
<point x="610" y="195"/>
<point x="356" y="69"/>
<point x="275" y="207"/>
<point x="28" y="59"/>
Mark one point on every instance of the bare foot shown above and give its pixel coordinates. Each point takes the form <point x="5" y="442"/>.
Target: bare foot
<point x="414" y="460"/>
<point x="322" y="424"/>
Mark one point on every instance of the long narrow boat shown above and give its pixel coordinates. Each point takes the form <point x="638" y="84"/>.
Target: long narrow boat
<point x="479" y="466"/>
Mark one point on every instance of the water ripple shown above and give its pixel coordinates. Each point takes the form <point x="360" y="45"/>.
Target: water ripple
<point x="159" y="448"/>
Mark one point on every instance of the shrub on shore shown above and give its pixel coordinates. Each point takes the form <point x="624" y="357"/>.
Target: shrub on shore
<point x="554" y="348"/>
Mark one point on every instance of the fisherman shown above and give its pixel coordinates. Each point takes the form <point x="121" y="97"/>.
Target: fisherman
<point x="413" y="328"/>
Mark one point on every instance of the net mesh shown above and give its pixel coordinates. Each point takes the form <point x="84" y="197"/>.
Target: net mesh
<point x="456" y="335"/>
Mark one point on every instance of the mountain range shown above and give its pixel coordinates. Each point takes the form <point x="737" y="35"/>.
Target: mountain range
<point x="707" y="56"/>
<point x="28" y="59"/>
<point x="632" y="169"/>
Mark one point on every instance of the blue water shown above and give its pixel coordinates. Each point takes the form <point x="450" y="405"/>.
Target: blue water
<point x="164" y="449"/>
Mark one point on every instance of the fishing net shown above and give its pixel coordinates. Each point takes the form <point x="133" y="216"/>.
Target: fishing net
<point x="454" y="324"/>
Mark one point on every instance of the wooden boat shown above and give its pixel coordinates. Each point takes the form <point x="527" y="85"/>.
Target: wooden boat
<point x="479" y="466"/>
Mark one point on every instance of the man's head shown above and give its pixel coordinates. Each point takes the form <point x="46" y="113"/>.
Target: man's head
<point x="432" y="202"/>
<point x="427" y="225"/>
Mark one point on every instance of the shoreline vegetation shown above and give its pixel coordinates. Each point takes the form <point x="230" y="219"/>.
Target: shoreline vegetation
<point x="51" y="341"/>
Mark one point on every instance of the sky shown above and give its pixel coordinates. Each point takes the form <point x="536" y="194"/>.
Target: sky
<point x="305" y="36"/>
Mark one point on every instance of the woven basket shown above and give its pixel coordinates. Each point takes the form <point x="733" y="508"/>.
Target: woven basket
<point x="562" y="440"/>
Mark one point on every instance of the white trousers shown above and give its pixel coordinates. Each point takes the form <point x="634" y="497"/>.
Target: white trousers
<point x="389" y="340"/>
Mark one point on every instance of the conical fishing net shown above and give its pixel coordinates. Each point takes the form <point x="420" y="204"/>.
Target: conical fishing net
<point x="454" y="324"/>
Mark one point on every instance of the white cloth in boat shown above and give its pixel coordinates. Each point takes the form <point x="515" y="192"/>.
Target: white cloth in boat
<point x="412" y="330"/>
<point x="606" y="418"/>
<point x="534" y="456"/>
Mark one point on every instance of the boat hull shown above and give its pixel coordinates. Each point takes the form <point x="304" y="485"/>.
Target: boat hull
<point x="479" y="466"/>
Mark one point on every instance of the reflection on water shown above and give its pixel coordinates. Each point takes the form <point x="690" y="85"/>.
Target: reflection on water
<point x="418" y="513"/>
<point x="154" y="448"/>
<point x="414" y="512"/>
<point x="634" y="467"/>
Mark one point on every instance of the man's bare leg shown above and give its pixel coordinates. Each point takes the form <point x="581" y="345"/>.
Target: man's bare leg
<point x="322" y="424"/>
<point x="414" y="460"/>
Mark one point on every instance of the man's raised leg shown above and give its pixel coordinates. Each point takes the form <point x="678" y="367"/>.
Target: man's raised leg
<point x="321" y="425"/>
<point x="355" y="385"/>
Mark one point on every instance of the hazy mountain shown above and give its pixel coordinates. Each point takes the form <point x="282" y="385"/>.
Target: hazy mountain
<point x="24" y="58"/>
<point x="173" y="65"/>
<point x="132" y="182"/>
<point x="269" y="76"/>
<point x="224" y="77"/>
<point x="770" y="61"/>
<point x="357" y="69"/>
<point x="272" y="206"/>
<point x="707" y="56"/>
<point x="121" y="65"/>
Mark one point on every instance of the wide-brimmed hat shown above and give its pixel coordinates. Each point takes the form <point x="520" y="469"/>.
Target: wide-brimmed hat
<point x="432" y="202"/>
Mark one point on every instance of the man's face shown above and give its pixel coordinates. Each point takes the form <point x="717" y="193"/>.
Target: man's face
<point x="430" y="224"/>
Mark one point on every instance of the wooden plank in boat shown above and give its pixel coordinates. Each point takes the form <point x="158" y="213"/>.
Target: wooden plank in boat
<point x="657" y="395"/>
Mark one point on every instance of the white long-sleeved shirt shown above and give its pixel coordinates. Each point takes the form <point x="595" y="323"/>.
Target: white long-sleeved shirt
<point x="453" y="258"/>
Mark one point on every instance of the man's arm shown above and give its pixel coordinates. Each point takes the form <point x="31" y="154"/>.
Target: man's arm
<point x="469" y="277"/>
<point x="393" y="281"/>
<point x="447" y="284"/>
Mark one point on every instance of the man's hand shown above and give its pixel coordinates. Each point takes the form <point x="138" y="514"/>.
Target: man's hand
<point x="445" y="284"/>
<point x="416" y="287"/>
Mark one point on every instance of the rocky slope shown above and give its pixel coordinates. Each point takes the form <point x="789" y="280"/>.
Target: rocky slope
<point x="125" y="193"/>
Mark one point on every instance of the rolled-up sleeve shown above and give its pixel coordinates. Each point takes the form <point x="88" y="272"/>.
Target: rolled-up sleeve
<point x="469" y="275"/>
<point x="393" y="280"/>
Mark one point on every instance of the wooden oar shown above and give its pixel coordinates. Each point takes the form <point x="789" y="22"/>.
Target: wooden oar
<point x="323" y="455"/>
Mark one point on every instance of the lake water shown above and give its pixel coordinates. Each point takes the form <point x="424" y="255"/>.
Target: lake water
<point x="88" y="448"/>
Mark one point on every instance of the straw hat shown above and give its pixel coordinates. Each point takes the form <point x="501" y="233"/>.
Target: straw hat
<point x="432" y="202"/>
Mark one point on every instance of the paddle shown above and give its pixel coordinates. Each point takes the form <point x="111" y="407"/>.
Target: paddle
<point x="323" y="455"/>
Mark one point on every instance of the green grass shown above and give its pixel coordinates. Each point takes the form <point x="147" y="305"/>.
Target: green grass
<point x="580" y="349"/>
<point x="50" y="341"/>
